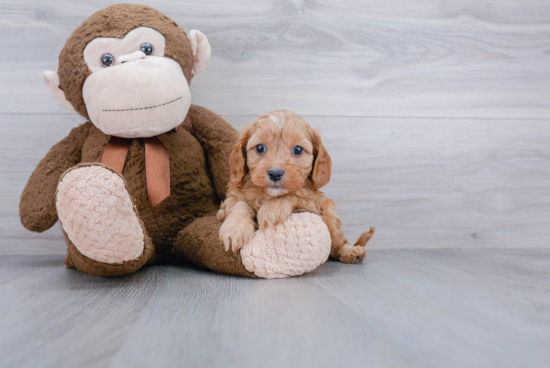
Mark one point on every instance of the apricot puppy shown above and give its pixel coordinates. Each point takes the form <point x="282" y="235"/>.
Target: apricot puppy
<point x="277" y="168"/>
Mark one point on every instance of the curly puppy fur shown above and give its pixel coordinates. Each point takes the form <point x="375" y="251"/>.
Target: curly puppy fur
<point x="271" y="182"/>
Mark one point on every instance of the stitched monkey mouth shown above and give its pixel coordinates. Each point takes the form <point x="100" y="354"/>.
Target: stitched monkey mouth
<point x="144" y="108"/>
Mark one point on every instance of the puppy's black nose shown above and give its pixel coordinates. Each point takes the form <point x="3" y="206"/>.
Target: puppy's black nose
<point x="275" y="174"/>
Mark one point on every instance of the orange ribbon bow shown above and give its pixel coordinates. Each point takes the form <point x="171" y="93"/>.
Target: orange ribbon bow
<point x="157" y="164"/>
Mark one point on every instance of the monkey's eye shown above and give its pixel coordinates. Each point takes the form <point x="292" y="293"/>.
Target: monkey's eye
<point x="146" y="48"/>
<point x="297" y="151"/>
<point x="260" y="148"/>
<point x="107" y="60"/>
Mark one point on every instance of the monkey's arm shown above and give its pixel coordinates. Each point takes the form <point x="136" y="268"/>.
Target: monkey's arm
<point x="218" y="138"/>
<point x="37" y="206"/>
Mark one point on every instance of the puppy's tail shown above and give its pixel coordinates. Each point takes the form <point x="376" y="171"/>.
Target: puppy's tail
<point x="365" y="237"/>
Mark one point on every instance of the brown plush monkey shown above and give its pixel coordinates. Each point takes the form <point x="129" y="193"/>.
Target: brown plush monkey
<point x="141" y="181"/>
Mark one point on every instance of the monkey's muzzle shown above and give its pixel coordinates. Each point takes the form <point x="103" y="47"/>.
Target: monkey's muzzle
<point x="138" y="99"/>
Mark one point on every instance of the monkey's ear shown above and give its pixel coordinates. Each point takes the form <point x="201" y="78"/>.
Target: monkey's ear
<point x="51" y="79"/>
<point x="201" y="50"/>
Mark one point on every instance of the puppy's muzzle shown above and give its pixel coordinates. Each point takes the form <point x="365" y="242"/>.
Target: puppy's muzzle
<point x="275" y="174"/>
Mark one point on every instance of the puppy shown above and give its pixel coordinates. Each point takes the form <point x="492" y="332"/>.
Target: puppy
<point x="277" y="168"/>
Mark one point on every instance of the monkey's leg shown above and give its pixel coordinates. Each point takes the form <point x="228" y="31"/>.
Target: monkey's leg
<point x="200" y="243"/>
<point x="297" y="246"/>
<point x="104" y="233"/>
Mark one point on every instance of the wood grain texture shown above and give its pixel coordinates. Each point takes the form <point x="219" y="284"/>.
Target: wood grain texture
<point x="431" y="308"/>
<point x="424" y="183"/>
<point x="427" y="58"/>
<point x="447" y="181"/>
<point x="436" y="117"/>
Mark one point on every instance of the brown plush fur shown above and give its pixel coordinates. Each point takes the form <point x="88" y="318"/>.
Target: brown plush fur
<point x="199" y="151"/>
<point x="253" y="195"/>
<point x="116" y="21"/>
<point x="197" y="242"/>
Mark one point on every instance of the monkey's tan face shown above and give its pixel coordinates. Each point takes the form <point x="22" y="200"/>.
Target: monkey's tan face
<point x="134" y="91"/>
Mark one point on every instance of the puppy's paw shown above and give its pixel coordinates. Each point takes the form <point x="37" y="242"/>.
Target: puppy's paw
<point x="268" y="222"/>
<point x="272" y="215"/>
<point x="355" y="254"/>
<point x="235" y="235"/>
<point x="221" y="214"/>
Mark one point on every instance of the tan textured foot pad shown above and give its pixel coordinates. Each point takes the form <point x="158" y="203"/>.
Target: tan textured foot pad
<point x="298" y="246"/>
<point x="98" y="216"/>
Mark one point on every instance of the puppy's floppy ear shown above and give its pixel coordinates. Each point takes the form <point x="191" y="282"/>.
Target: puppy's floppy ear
<point x="237" y="159"/>
<point x="322" y="163"/>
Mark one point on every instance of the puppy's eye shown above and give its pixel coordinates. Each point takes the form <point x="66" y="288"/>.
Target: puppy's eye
<point x="107" y="60"/>
<point x="297" y="151"/>
<point x="260" y="148"/>
<point x="146" y="48"/>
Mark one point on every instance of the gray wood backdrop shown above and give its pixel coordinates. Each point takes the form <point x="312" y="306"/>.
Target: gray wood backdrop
<point x="435" y="112"/>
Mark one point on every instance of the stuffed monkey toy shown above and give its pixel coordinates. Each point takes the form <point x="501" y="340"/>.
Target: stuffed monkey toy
<point x="140" y="182"/>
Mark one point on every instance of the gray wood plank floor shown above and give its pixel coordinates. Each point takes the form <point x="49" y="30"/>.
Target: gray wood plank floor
<point x="436" y="116"/>
<point x="423" y="308"/>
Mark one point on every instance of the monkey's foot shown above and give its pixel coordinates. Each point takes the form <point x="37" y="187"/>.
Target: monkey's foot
<point x="295" y="247"/>
<point x="100" y="220"/>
